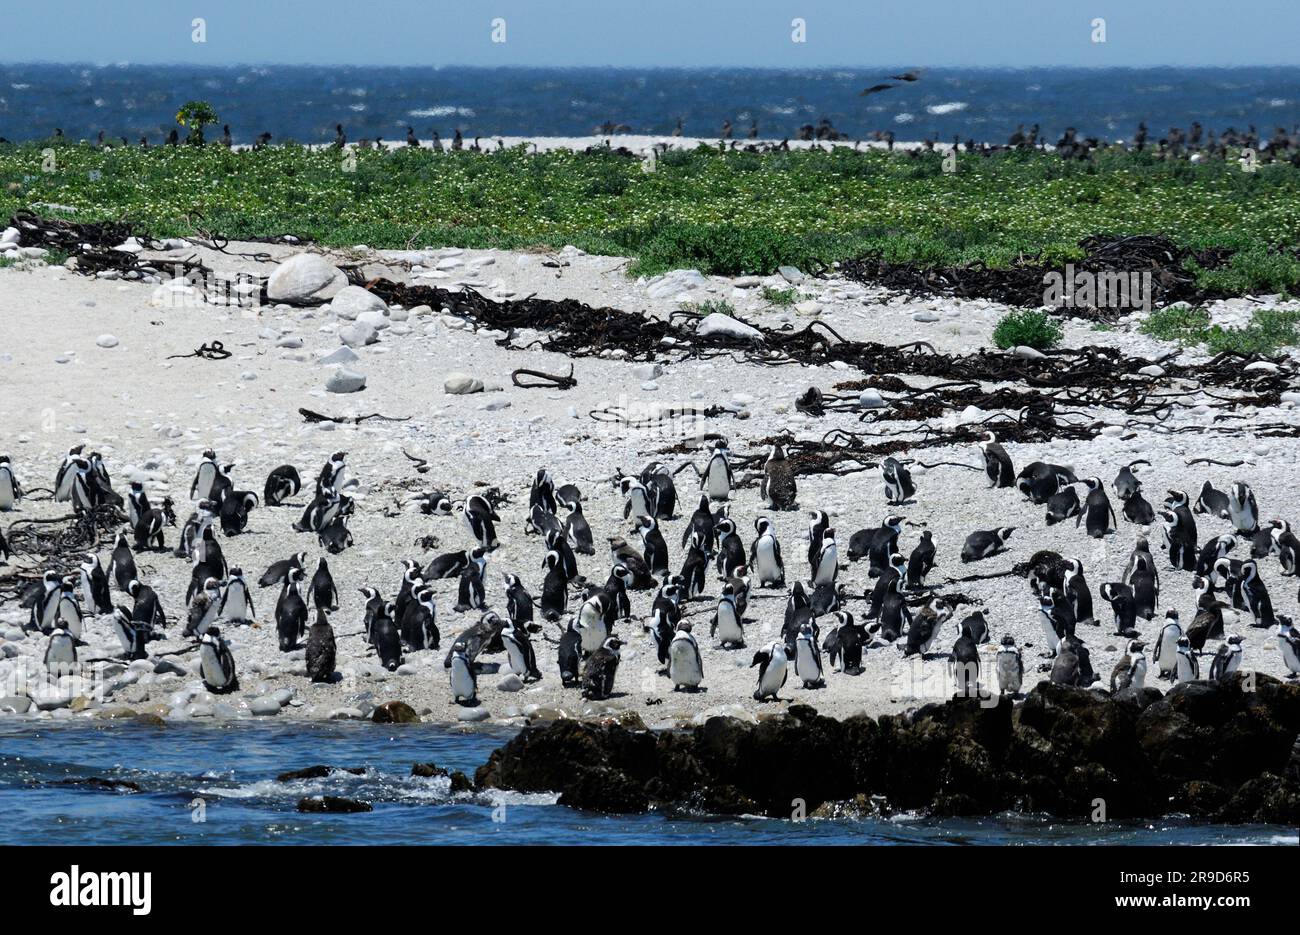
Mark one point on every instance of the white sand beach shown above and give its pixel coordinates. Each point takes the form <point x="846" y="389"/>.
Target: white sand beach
<point x="151" y="416"/>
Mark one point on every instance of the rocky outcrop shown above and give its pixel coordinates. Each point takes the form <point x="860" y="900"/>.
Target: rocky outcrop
<point x="1226" y="752"/>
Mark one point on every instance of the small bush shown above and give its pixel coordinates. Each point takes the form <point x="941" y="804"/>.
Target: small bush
<point x="1029" y="329"/>
<point x="1177" y="323"/>
<point x="778" y="296"/>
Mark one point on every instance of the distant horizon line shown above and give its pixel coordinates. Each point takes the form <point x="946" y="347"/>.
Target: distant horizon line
<point x="701" y="68"/>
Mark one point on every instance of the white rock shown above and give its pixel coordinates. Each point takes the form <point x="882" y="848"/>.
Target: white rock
<point x="352" y="301"/>
<point x="344" y="380"/>
<point x="358" y="334"/>
<point x="460" y="384"/>
<point x="647" y="371"/>
<point x="1028" y="353"/>
<point x="305" y="277"/>
<point x="106" y="340"/>
<point x="511" y="683"/>
<point x="871" y="399"/>
<point x="473" y="714"/>
<point x="809" y="307"/>
<point x="343" y="355"/>
<point x="718" y="323"/>
<point x="265" y="705"/>
<point x="1154" y="370"/>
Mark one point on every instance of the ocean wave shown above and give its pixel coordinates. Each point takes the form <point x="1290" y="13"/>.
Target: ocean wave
<point x="444" y="110"/>
<point x="904" y="118"/>
<point x="952" y="107"/>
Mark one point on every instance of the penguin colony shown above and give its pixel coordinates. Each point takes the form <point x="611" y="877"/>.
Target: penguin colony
<point x="685" y="579"/>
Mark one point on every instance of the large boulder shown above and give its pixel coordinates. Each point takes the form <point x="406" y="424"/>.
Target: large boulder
<point x="305" y="279"/>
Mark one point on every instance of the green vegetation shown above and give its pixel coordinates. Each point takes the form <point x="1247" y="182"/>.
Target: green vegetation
<point x="1027" y="329"/>
<point x="196" y="115"/>
<point x="1268" y="331"/>
<point x="782" y="297"/>
<point x="709" y="306"/>
<point x="726" y="213"/>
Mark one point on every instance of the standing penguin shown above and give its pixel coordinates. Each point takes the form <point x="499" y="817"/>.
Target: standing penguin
<point x="818" y="523"/>
<point x="555" y="588"/>
<point x="477" y="516"/>
<point x="921" y="561"/>
<point x="61" y="653"/>
<point x="716" y="480"/>
<point x="731" y="551"/>
<point x="899" y="487"/>
<point x="778" y="487"/>
<point x="599" y="671"/>
<point x="1010" y="667"/>
<point x="1288" y="641"/>
<point x="576" y="530"/>
<point x="1097" y="509"/>
<point x="654" y="546"/>
<point x="1180" y="540"/>
<point x="1227" y="660"/>
<point x="385" y="637"/>
<point x="464" y="682"/>
<point x="570" y="655"/>
<point x="1123" y="606"/>
<point x="997" y="463"/>
<point x="10" y="490"/>
<point x="765" y="555"/>
<point x="1213" y="550"/>
<point x="844" y="644"/>
<point x="685" y="669"/>
<point x="1166" y="651"/>
<point x="1077" y="592"/>
<point x="808" y="658"/>
<point x="636" y="499"/>
<point x="122" y="563"/>
<point x="323" y="592"/>
<point x="591" y="623"/>
<point x="94" y="586"/>
<point x="321" y="650"/>
<point x="1283" y="544"/>
<point x="131" y="634"/>
<point x="519" y="603"/>
<point x="1129" y="674"/>
<point x="470" y="591"/>
<point x="1242" y="509"/>
<point x="236" y="600"/>
<point x="827" y="568"/>
<point x="290" y="612"/>
<point x="205" y="476"/>
<point x="964" y="666"/>
<point x="217" y="663"/>
<point x="520" y="653"/>
<point x="727" y="625"/>
<point x="771" y="661"/>
<point x="1256" y="594"/>
<point x="1187" y="668"/>
<point x="65" y="477"/>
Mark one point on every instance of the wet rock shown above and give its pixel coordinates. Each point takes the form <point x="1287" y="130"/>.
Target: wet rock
<point x="99" y="782"/>
<point x="318" y="772"/>
<point x="395" y="712"/>
<point x="333" y="804"/>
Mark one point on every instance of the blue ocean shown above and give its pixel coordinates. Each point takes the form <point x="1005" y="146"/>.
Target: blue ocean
<point x="303" y="104"/>
<point x="216" y="784"/>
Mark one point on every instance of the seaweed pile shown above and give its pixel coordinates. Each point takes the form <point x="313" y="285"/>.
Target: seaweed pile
<point x="1023" y="284"/>
<point x="93" y="246"/>
<point x="60" y="543"/>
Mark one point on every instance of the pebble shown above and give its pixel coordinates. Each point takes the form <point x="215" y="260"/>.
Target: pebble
<point x="343" y="355"/>
<point x="647" y="371"/>
<point x="264" y="706"/>
<point x="925" y="317"/>
<point x="511" y="683"/>
<point x="106" y="340"/>
<point x="871" y="399"/>
<point x="473" y="714"/>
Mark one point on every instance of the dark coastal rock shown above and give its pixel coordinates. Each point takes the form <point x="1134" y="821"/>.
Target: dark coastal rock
<point x="395" y="712"/>
<point x="318" y="772"/>
<point x="1206" y="749"/>
<point x="333" y="804"/>
<point x="459" y="781"/>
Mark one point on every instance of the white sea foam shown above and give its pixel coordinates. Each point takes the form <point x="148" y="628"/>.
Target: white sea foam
<point x="444" y="110"/>
<point x="949" y="108"/>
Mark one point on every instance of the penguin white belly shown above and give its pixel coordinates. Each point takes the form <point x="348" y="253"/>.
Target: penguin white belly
<point x="806" y="664"/>
<point x="207" y="474"/>
<point x="1289" y="657"/>
<point x="1049" y="632"/>
<point x="69" y="618"/>
<point x="462" y="681"/>
<point x="717" y="484"/>
<point x="591" y="626"/>
<point x="1139" y="676"/>
<point x="1168" y="653"/>
<point x="1185" y="671"/>
<point x="826" y="567"/>
<point x="774" y="677"/>
<point x="683" y="664"/>
<point x="236" y="607"/>
<point x="729" y="628"/>
<point x="515" y="654"/>
<point x="7" y="498"/>
<point x="125" y="635"/>
<point x="768" y="570"/>
<point x="210" y="666"/>
<point x="637" y="505"/>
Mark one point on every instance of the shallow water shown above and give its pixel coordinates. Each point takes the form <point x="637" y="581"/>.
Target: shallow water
<point x="225" y="776"/>
<point x="303" y="103"/>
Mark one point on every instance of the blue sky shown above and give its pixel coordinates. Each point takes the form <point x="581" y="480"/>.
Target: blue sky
<point x="646" y="33"/>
